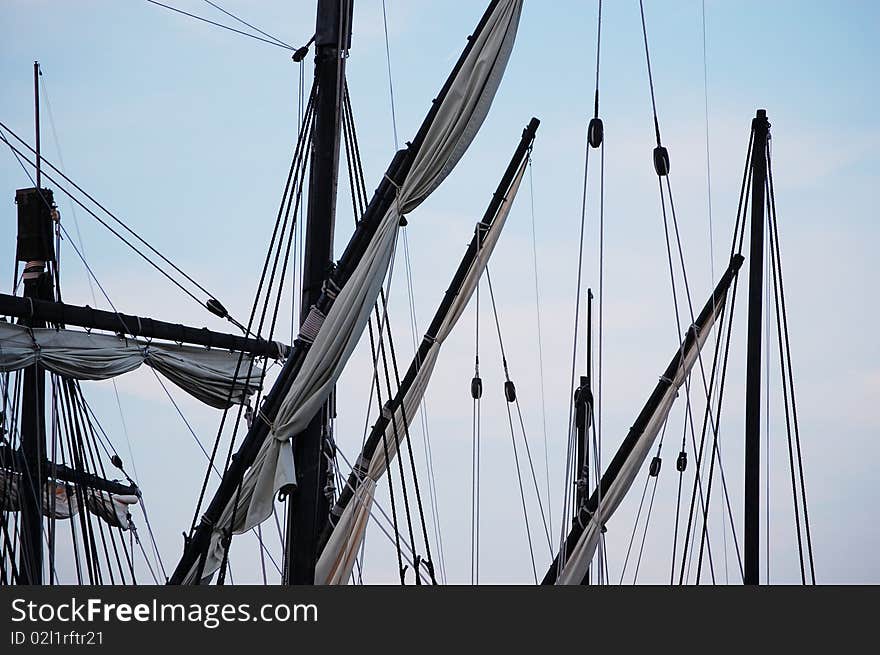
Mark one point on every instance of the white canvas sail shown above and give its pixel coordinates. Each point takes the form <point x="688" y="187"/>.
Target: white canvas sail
<point x="461" y="112"/>
<point x="336" y="561"/>
<point x="207" y="374"/>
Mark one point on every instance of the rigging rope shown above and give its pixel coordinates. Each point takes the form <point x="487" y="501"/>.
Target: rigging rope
<point x="273" y="41"/>
<point x="595" y="139"/>
<point x="245" y="23"/>
<point x="661" y="165"/>
<point x="293" y="174"/>
<point x="569" y="463"/>
<point x="20" y="155"/>
<point x="540" y="343"/>
<point x="390" y="79"/>
<point x="476" y="424"/>
<point x="290" y="207"/>
<point x="736" y="246"/>
<point x="423" y="414"/>
<point x="63" y="166"/>
<point x="358" y="188"/>
<point x="511" y="398"/>
<point x="788" y="389"/>
<point x="650" y="73"/>
<point x="414" y="329"/>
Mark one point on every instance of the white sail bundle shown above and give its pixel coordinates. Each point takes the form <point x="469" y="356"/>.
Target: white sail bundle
<point x="453" y="128"/>
<point x="60" y="501"/>
<point x="336" y="561"/>
<point x="207" y="374"/>
<point x="575" y="567"/>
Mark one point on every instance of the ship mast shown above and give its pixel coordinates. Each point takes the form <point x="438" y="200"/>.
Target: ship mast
<point x="35" y="249"/>
<point x="761" y="128"/>
<point x="308" y="507"/>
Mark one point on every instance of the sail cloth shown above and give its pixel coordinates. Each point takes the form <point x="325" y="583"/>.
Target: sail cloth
<point x="61" y="501"/>
<point x="456" y="122"/>
<point x="336" y="560"/>
<point x="575" y="568"/>
<point x="204" y="373"/>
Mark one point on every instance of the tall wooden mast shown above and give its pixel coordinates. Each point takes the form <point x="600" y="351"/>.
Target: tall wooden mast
<point x="35" y="249"/>
<point x="308" y="507"/>
<point x="761" y="128"/>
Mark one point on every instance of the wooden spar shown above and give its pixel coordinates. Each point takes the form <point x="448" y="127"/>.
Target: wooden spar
<point x="752" y="514"/>
<point x="135" y="326"/>
<point x="719" y="295"/>
<point x="64" y="473"/>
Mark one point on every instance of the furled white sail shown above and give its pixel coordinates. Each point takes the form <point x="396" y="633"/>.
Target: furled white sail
<point x="575" y="568"/>
<point x="207" y="374"/>
<point x="60" y="501"/>
<point x="459" y="116"/>
<point x="336" y="561"/>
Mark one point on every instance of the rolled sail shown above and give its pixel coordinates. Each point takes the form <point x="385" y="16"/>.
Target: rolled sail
<point x="207" y="374"/>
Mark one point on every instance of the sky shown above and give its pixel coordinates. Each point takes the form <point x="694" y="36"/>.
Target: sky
<point x="186" y="132"/>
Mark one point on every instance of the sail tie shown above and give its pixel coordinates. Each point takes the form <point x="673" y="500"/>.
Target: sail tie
<point x="398" y="188"/>
<point x="312" y="325"/>
<point x="269" y="422"/>
<point x="392" y="183"/>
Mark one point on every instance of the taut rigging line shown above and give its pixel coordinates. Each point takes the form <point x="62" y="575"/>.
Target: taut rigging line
<point x="212" y="304"/>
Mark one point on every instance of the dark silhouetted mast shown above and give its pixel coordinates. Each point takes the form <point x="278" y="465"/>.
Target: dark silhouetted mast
<point x="35" y="249"/>
<point x="752" y="549"/>
<point x="308" y="506"/>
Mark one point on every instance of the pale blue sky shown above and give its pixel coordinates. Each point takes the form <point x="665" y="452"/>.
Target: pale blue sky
<point x="186" y="132"/>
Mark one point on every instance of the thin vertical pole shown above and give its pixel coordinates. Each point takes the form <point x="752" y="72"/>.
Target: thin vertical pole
<point x="34" y="251"/>
<point x="588" y="384"/>
<point x="761" y="128"/>
<point x="583" y="402"/>
<point x="37" y="121"/>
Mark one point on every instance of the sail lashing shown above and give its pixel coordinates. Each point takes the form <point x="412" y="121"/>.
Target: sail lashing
<point x="352" y="511"/>
<point x="580" y="546"/>
<point x="336" y="322"/>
